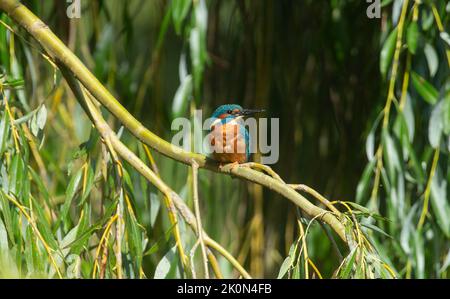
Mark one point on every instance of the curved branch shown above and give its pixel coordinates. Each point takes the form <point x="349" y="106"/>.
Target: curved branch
<point x="59" y="52"/>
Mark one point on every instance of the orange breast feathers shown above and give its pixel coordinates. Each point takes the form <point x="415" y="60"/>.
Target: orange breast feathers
<point x="227" y="143"/>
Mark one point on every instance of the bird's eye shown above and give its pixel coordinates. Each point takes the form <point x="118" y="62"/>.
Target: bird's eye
<point x="230" y="112"/>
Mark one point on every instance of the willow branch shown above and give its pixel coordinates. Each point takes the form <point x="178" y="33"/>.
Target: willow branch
<point x="172" y="215"/>
<point x="426" y="199"/>
<point x="317" y="195"/>
<point x="198" y="218"/>
<point x="390" y="98"/>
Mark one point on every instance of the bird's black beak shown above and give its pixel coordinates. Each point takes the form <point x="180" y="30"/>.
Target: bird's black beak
<point x="247" y="112"/>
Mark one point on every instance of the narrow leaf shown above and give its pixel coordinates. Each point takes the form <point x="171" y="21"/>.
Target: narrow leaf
<point x="412" y="37"/>
<point x="425" y="89"/>
<point x="387" y="52"/>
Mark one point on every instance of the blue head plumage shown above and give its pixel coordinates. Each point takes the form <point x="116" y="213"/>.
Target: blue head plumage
<point x="227" y="111"/>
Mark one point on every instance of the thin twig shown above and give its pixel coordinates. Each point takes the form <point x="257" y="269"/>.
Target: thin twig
<point x="428" y="189"/>
<point x="172" y="213"/>
<point x="317" y="195"/>
<point x="198" y="218"/>
<point x="118" y="248"/>
<point x="37" y="232"/>
<point x="264" y="168"/>
<point x="103" y="240"/>
<point x="214" y="264"/>
<point x="304" y="246"/>
<point x="390" y="98"/>
<point x="192" y="254"/>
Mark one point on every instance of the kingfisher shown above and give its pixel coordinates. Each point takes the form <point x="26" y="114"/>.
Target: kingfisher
<point x="229" y="139"/>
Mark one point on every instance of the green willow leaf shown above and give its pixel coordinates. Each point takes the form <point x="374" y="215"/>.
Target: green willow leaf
<point x="387" y="52"/>
<point x="182" y="96"/>
<point x="164" y="238"/>
<point x="363" y="185"/>
<point x="41" y="117"/>
<point x="4" y="129"/>
<point x="287" y="263"/>
<point x="13" y="83"/>
<point x="427" y="20"/>
<point x="350" y="260"/>
<point x="180" y="9"/>
<point x="69" y="238"/>
<point x="439" y="203"/>
<point x="408" y="228"/>
<point x="412" y="37"/>
<point x="43" y="225"/>
<point x="17" y="173"/>
<point x="359" y="207"/>
<point x="74" y="266"/>
<point x="391" y="154"/>
<point x="370" y="141"/>
<point x="376" y="229"/>
<point x="396" y="9"/>
<point x="446" y="262"/>
<point x="408" y="115"/>
<point x="446" y="114"/>
<point x="432" y="59"/>
<point x="425" y="89"/>
<point x="83" y="237"/>
<point x="445" y="37"/>
<point x="133" y="232"/>
<point x="70" y="193"/>
<point x="7" y="216"/>
<point x="436" y="124"/>
<point x="419" y="254"/>
<point x="155" y="204"/>
<point x="3" y="237"/>
<point x="40" y="185"/>
<point x="31" y="253"/>
<point x="385" y="3"/>
<point x="89" y="184"/>
<point x="168" y="265"/>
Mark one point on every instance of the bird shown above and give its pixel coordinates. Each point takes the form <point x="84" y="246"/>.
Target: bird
<point x="229" y="138"/>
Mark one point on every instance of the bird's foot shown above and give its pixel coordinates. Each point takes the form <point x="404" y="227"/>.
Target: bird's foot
<point x="229" y="167"/>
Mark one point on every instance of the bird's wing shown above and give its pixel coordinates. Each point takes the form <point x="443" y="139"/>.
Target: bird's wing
<point x="244" y="132"/>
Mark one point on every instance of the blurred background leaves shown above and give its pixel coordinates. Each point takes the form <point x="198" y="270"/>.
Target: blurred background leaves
<point x="322" y="67"/>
